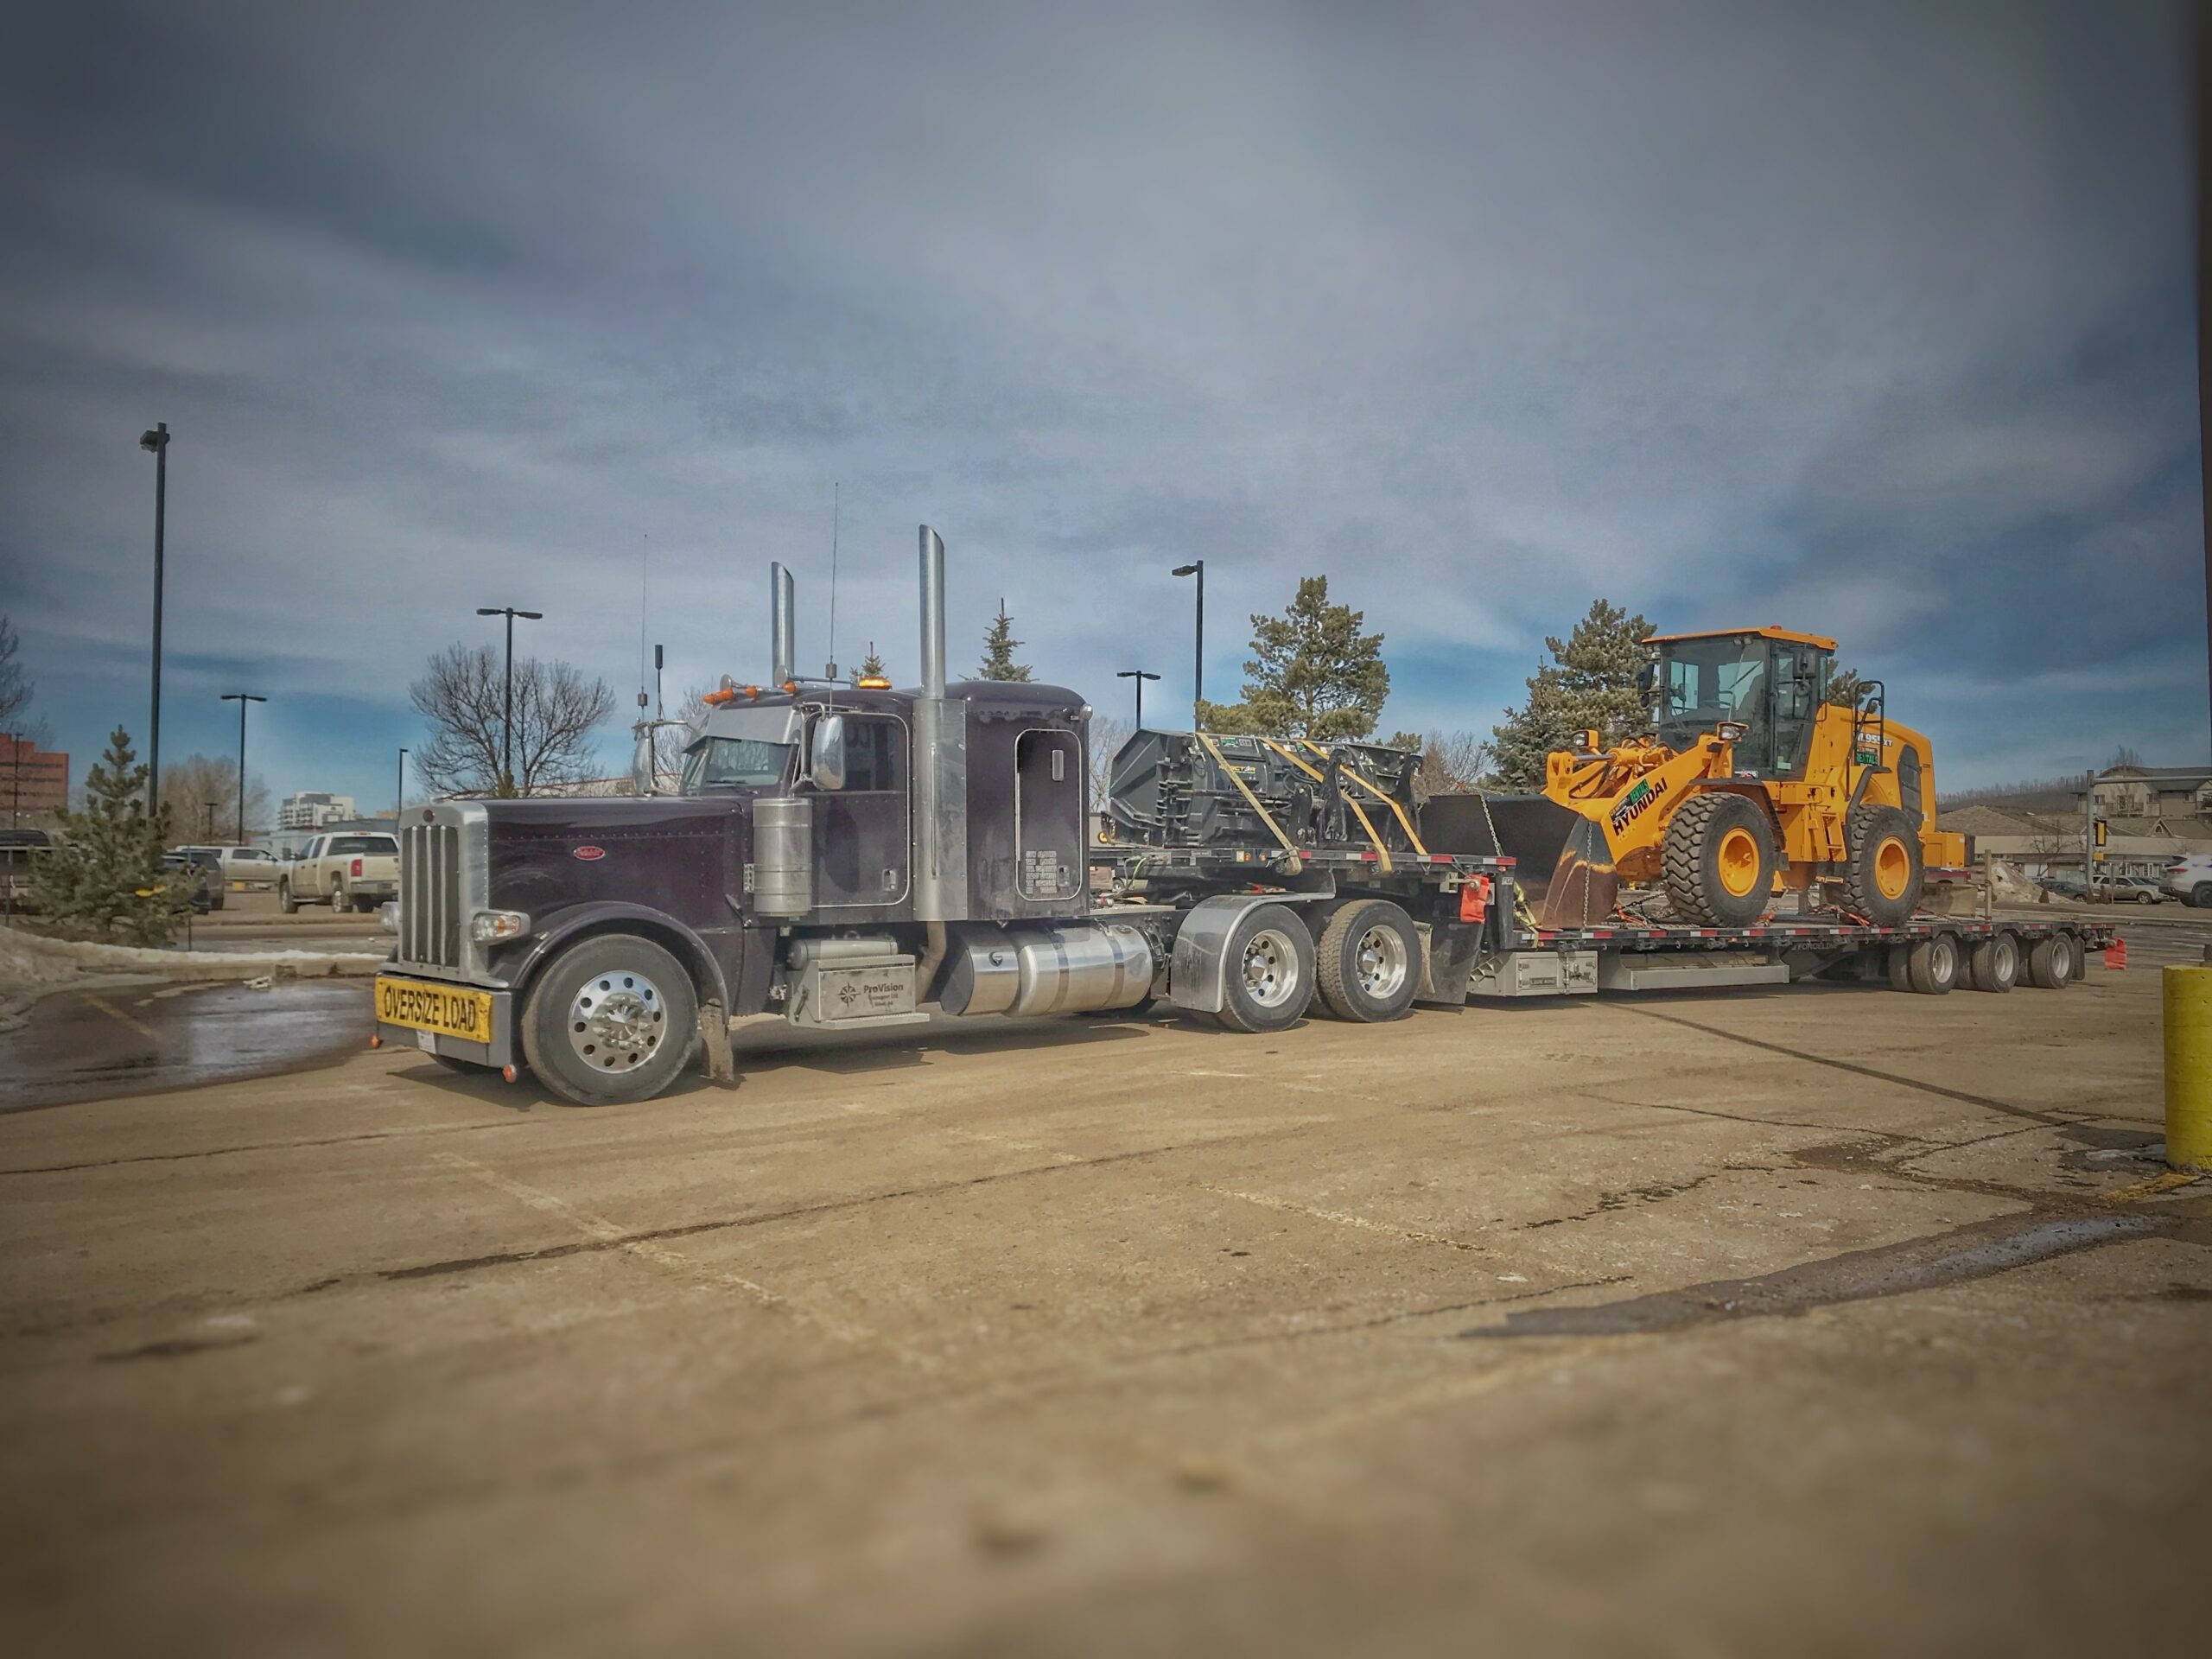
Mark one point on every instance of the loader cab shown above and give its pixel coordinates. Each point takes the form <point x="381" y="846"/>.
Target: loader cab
<point x="1770" y="681"/>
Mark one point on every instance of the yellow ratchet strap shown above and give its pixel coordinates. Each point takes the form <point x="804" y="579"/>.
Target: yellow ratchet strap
<point x="1404" y="823"/>
<point x="1245" y="789"/>
<point x="1382" y="853"/>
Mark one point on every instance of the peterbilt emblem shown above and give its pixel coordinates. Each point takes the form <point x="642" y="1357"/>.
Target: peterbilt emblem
<point x="590" y="853"/>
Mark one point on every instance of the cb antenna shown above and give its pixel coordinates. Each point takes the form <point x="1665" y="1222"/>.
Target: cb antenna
<point x="830" y="672"/>
<point x="644" y="607"/>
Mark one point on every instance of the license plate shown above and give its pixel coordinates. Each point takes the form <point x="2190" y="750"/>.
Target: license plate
<point x="446" y="1010"/>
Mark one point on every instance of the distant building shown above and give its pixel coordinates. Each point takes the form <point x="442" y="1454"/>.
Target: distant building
<point x="311" y="810"/>
<point x="32" y="779"/>
<point x="2169" y="792"/>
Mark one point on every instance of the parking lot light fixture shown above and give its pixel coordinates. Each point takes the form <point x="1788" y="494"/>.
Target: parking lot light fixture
<point x="241" y="698"/>
<point x="156" y="443"/>
<point x="1196" y="568"/>
<point x="1139" y="676"/>
<point x="507" y="737"/>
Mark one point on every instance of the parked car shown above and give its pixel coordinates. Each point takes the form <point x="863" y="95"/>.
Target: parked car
<point x="200" y="877"/>
<point x="257" y="866"/>
<point x="2189" y="879"/>
<point x="347" y="871"/>
<point x="2063" y="884"/>
<point x="2131" y="890"/>
<point x="18" y="849"/>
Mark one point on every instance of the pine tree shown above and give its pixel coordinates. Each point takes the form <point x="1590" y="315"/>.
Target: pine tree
<point x="1589" y="684"/>
<point x="1312" y="673"/>
<point x="999" y="646"/>
<point x="872" y="666"/>
<point x="102" y="876"/>
<point x="1844" y="688"/>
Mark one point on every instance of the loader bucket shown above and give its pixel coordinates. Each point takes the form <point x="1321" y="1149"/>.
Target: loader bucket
<point x="1562" y="865"/>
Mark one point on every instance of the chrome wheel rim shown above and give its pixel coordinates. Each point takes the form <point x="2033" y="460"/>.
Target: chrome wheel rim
<point x="1380" y="963"/>
<point x="616" y="1020"/>
<point x="1270" y="969"/>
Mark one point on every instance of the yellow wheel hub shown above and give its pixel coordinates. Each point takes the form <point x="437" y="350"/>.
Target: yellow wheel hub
<point x="1892" y="868"/>
<point x="1739" y="862"/>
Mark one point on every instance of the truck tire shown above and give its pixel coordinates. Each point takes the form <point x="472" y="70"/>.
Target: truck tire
<point x="1994" y="962"/>
<point x="1882" y="871"/>
<point x="611" y="1019"/>
<point x="285" y="902"/>
<point x="2051" y="963"/>
<point x="1368" y="961"/>
<point x="1934" y="964"/>
<point x="339" y="904"/>
<point x="1899" y="966"/>
<point x="1268" y="974"/>
<point x="1718" y="860"/>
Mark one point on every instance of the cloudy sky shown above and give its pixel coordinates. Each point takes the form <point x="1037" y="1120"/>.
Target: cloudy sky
<point x="1874" y="320"/>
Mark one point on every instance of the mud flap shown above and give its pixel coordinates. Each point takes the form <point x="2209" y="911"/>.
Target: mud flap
<point x="1448" y="963"/>
<point x="713" y="1044"/>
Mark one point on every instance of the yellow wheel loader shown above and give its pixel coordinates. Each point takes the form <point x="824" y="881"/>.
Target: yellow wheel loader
<point x="1750" y="783"/>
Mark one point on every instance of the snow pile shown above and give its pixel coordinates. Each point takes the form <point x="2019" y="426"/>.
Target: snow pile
<point x="2008" y="886"/>
<point x="31" y="967"/>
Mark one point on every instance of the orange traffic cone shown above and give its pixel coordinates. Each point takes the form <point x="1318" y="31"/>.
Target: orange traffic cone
<point x="2116" y="954"/>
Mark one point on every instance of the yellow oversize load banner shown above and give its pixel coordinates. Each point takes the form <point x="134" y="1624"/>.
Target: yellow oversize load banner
<point x="446" y="1009"/>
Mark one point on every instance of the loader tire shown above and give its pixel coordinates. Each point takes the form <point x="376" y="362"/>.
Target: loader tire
<point x="1718" y="860"/>
<point x="1881" y="864"/>
<point x="1368" y="961"/>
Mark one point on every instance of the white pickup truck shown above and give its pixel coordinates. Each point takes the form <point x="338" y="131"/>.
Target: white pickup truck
<point x="348" y="871"/>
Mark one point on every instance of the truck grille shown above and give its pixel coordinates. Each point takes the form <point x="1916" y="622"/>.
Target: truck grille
<point x="444" y="878"/>
<point x="429" y="894"/>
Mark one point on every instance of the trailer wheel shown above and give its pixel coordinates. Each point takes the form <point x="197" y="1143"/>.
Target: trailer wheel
<point x="2051" y="963"/>
<point x="1900" y="967"/>
<point x="610" y="1019"/>
<point x="1719" y="861"/>
<point x="1268" y="971"/>
<point x="1881" y="864"/>
<point x="1368" y="961"/>
<point x="1934" y="964"/>
<point x="1994" y="964"/>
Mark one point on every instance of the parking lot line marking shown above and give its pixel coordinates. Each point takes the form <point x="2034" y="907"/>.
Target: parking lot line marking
<point x="1267" y="1201"/>
<point x="610" y="1232"/>
<point x="114" y="1013"/>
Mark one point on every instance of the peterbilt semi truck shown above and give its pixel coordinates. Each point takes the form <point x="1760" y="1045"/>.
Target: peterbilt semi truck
<point x="850" y="856"/>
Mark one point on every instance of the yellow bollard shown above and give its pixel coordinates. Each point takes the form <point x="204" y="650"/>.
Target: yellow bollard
<point x="2188" y="990"/>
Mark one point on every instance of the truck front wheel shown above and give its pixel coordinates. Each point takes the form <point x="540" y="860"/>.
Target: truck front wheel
<point x="610" y="1019"/>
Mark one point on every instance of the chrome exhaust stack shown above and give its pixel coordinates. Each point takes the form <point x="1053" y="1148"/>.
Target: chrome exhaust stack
<point x="940" y="763"/>
<point x="783" y="648"/>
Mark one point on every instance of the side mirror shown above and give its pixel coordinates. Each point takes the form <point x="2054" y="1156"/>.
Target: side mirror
<point x="1647" y="680"/>
<point x="828" y="769"/>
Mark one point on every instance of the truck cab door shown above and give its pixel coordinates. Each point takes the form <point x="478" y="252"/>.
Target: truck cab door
<point x="862" y="830"/>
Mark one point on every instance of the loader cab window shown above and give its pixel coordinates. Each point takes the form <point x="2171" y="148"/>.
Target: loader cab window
<point x="1704" y="682"/>
<point x="1800" y="679"/>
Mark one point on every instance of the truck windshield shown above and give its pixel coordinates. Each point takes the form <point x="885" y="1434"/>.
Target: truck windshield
<point x="732" y="762"/>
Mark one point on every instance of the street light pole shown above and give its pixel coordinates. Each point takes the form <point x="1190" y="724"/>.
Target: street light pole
<point x="1139" y="676"/>
<point x="157" y="443"/>
<point x="1198" y="568"/>
<point x="399" y="797"/>
<point x="508" y="740"/>
<point x="241" y="699"/>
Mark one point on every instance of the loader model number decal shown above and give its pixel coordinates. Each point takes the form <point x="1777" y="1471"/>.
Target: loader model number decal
<point x="1636" y="803"/>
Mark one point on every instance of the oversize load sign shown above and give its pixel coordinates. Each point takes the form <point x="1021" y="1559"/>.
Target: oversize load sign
<point x="441" y="1008"/>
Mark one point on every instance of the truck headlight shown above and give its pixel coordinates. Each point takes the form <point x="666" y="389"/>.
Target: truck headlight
<point x="490" y="926"/>
<point x="388" y="913"/>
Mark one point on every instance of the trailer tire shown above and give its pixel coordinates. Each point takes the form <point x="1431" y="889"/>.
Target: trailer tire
<point x="1268" y="971"/>
<point x="613" y="1018"/>
<point x="2051" y="963"/>
<point x="1718" y="860"/>
<point x="1882" y="870"/>
<point x="1899" y="967"/>
<point x="1368" y="961"/>
<point x="1994" y="964"/>
<point x="1935" y="964"/>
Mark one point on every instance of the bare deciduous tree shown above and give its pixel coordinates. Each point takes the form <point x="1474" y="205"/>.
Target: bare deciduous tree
<point x="463" y="697"/>
<point x="191" y="784"/>
<point x="1452" y="761"/>
<point x="16" y="687"/>
<point x="1107" y="736"/>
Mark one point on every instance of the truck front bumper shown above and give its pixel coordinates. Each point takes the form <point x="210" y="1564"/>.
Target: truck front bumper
<point x="498" y="1051"/>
